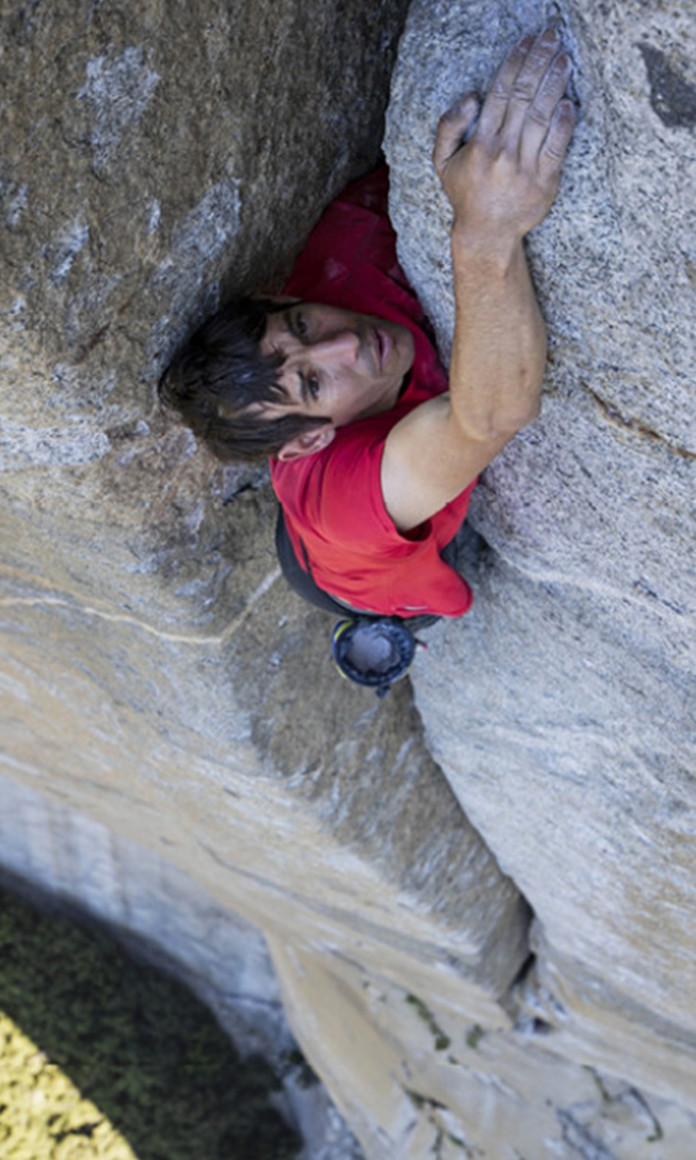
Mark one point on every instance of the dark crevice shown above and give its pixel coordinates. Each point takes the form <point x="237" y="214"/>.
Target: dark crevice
<point x="524" y="971"/>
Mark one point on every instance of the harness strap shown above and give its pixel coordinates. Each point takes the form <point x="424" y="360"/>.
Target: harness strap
<point x="301" y="579"/>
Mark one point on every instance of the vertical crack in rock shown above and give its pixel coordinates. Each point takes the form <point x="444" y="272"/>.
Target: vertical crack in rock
<point x="633" y="1095"/>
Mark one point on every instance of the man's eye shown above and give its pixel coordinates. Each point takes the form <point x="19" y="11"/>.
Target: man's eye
<point x="313" y="386"/>
<point x="300" y="326"/>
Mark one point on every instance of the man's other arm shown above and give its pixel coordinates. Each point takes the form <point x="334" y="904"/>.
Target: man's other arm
<point x="501" y="184"/>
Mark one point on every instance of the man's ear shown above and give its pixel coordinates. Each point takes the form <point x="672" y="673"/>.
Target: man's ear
<point x="308" y="443"/>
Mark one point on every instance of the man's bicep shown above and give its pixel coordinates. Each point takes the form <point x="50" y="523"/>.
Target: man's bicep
<point x="428" y="461"/>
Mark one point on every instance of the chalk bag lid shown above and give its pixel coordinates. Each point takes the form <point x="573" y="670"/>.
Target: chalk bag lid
<point x="374" y="652"/>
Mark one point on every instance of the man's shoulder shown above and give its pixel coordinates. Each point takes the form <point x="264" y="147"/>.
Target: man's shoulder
<point x="357" y="448"/>
<point x="352" y="444"/>
<point x="335" y="496"/>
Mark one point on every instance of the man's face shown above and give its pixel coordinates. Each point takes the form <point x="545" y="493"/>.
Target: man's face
<point x="338" y="365"/>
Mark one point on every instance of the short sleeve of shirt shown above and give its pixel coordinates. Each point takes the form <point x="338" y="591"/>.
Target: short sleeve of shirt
<point x="342" y="497"/>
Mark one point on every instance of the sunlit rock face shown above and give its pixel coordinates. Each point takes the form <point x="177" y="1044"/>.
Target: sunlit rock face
<point x="158" y="679"/>
<point x="562" y="709"/>
<point x="159" y="682"/>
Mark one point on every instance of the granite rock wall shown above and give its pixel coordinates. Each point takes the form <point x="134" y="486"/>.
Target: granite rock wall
<point x="157" y="677"/>
<point x="568" y="737"/>
<point x="161" y="685"/>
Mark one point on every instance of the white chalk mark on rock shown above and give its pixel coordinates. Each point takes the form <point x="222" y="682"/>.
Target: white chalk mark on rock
<point x="118" y="92"/>
<point x="63" y="250"/>
<point x="23" y="447"/>
<point x="119" y="618"/>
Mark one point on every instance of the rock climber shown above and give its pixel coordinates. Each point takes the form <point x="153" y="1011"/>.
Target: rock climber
<point x="374" y="450"/>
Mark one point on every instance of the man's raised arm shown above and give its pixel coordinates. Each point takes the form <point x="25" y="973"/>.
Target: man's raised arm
<point x="501" y="182"/>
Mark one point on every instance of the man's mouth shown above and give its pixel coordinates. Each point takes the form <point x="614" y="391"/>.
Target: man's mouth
<point x="384" y="347"/>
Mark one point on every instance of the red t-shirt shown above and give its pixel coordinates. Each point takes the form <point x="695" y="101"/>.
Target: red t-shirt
<point x="332" y="500"/>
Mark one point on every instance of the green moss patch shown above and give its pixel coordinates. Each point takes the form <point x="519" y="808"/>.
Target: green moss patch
<point x="101" y="1057"/>
<point x="442" y="1041"/>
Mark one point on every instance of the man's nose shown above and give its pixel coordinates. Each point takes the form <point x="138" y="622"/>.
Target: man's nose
<point x="342" y="344"/>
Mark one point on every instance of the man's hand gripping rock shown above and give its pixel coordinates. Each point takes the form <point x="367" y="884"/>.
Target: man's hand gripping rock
<point x="502" y="172"/>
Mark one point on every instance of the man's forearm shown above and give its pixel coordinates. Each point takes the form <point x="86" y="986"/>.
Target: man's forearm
<point x="499" y="163"/>
<point x="499" y="347"/>
<point x="500" y="175"/>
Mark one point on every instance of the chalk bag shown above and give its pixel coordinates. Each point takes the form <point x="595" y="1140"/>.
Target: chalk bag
<point x="375" y="652"/>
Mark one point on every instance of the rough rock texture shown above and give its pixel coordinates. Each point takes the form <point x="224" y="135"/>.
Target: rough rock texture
<point x="157" y="677"/>
<point x="569" y="735"/>
<point x="159" y="681"/>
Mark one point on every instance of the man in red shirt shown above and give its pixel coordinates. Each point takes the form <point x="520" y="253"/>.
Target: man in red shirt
<point x="374" y="451"/>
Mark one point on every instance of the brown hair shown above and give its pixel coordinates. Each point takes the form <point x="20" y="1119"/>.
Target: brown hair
<point x="220" y="372"/>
